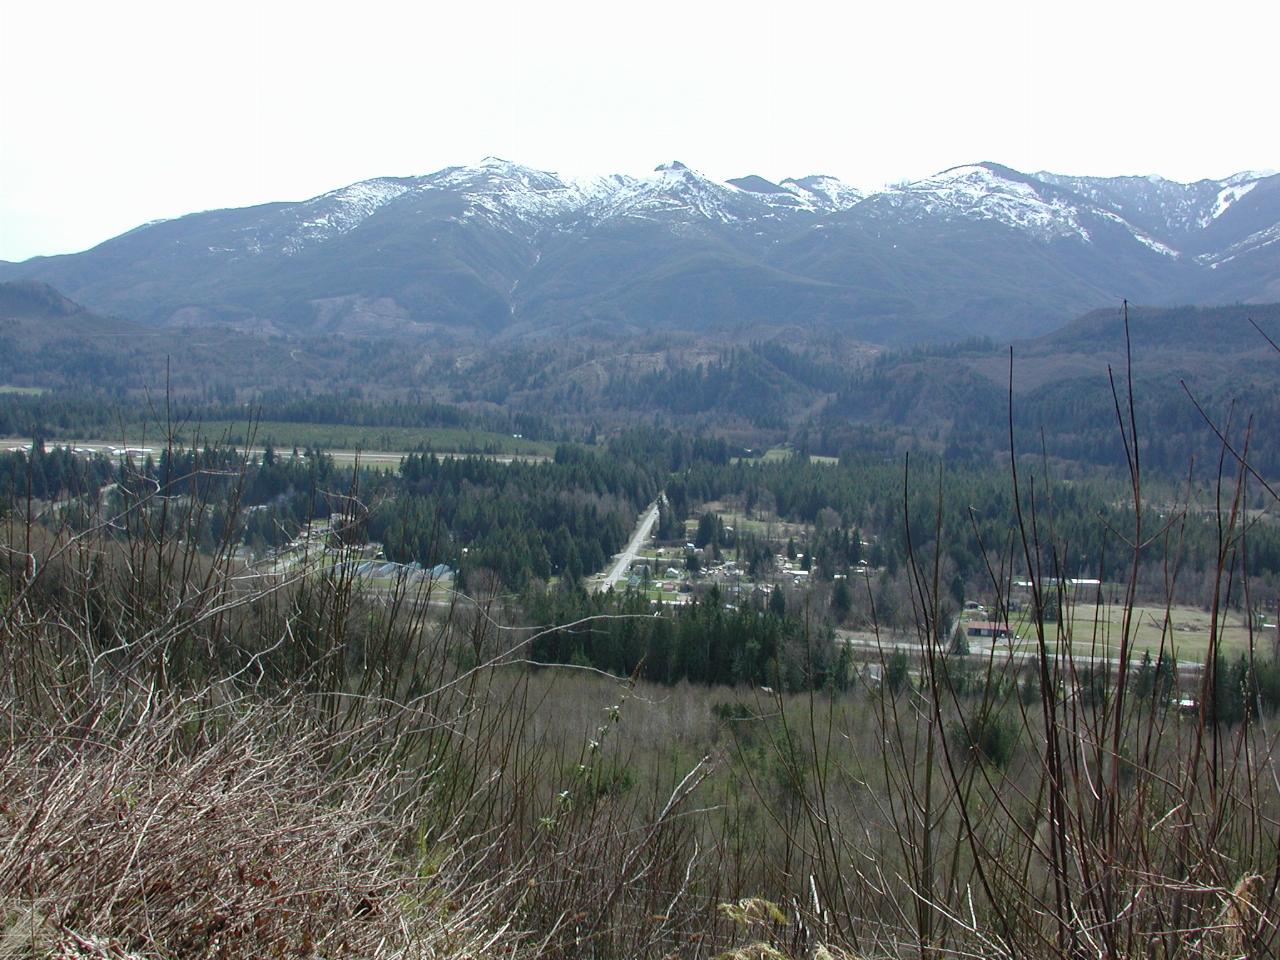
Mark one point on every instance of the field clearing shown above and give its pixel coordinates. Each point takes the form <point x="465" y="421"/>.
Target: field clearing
<point x="285" y="435"/>
<point x="775" y="454"/>
<point x="1095" y="634"/>
<point x="655" y="595"/>
<point x="1097" y="631"/>
<point x="671" y="556"/>
<point x="25" y="391"/>
<point x="381" y="460"/>
<point x="759" y="523"/>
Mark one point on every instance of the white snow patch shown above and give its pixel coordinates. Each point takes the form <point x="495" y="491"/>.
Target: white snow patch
<point x="977" y="192"/>
<point x="1141" y="236"/>
<point x="1229" y="195"/>
<point x="1255" y="241"/>
<point x="823" y="193"/>
<point x="505" y="189"/>
<point x="340" y="211"/>
<point x="670" y="189"/>
<point x="1155" y="245"/>
<point x="528" y="200"/>
<point x="1244" y="176"/>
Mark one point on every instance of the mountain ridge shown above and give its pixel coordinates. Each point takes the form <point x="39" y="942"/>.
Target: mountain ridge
<point x="498" y="248"/>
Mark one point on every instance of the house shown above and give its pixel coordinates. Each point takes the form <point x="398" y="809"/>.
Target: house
<point x="986" y="628"/>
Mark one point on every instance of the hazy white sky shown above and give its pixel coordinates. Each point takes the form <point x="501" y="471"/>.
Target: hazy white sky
<point x="112" y="114"/>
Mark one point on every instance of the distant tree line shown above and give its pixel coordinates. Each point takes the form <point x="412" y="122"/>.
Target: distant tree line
<point x="50" y="474"/>
<point x="711" y="641"/>
<point x="92" y="414"/>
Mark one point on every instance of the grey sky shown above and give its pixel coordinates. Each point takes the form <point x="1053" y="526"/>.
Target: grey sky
<point x="112" y="114"/>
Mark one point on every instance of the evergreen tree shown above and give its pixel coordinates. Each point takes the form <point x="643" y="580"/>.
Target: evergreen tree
<point x="777" y="603"/>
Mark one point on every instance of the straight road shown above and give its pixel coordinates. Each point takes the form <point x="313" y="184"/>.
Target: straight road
<point x="622" y="563"/>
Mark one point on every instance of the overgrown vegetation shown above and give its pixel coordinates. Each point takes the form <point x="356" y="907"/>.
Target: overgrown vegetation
<point x="202" y="759"/>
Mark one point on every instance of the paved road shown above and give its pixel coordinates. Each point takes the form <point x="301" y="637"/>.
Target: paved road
<point x="622" y="563"/>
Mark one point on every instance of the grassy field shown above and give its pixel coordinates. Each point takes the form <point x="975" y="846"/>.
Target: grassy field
<point x="1096" y="631"/>
<point x="286" y="435"/>
<point x="367" y="458"/>
<point x="26" y="391"/>
<point x="761" y="524"/>
<point x="784" y="452"/>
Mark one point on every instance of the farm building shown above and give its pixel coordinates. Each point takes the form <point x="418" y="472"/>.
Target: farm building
<point x="986" y="628"/>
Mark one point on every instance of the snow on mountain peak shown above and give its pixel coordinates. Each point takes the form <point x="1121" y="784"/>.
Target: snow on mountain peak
<point x="672" y="189"/>
<point x="499" y="188"/>
<point x="340" y="211"/>
<point x="966" y="171"/>
<point x="1162" y="215"/>
<point x="824" y="192"/>
<point x="1245" y="176"/>
<point x="986" y="191"/>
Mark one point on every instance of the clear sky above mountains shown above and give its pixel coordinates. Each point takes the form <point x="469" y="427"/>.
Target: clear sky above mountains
<point x="115" y="114"/>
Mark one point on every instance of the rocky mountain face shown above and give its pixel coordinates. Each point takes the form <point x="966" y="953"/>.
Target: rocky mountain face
<point x="498" y="250"/>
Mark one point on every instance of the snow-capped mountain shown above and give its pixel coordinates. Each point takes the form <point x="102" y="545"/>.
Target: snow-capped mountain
<point x="339" y="211"/>
<point x="1160" y="205"/>
<point x="514" y="194"/>
<point x="988" y="192"/>
<point x="1167" y="217"/>
<point x="506" y="249"/>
